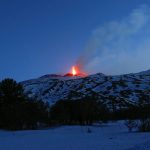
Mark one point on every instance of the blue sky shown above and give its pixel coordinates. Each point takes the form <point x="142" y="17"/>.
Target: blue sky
<point x="48" y="36"/>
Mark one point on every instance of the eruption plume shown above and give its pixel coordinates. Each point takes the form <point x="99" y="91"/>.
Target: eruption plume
<point x="119" y="45"/>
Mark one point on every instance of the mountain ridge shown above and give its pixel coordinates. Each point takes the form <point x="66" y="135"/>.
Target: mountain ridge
<point x="126" y="88"/>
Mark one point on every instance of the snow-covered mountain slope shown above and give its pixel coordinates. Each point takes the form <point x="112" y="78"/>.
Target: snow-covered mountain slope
<point x="128" y="88"/>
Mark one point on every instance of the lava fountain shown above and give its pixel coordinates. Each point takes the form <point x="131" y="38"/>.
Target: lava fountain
<point x="75" y="71"/>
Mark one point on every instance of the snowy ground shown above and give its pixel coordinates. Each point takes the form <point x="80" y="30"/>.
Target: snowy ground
<point x="113" y="136"/>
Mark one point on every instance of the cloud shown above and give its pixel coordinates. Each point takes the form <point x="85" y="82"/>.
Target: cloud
<point x="119" y="46"/>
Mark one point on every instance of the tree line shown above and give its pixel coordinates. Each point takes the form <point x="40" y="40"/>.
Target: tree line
<point x="19" y="112"/>
<point x="84" y="111"/>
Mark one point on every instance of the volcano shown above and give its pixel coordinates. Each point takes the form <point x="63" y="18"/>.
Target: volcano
<point x="124" y="89"/>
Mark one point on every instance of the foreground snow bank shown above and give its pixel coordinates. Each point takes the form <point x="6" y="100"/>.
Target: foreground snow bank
<point x="112" y="136"/>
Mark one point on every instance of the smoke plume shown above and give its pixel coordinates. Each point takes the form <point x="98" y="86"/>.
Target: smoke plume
<point x="119" y="46"/>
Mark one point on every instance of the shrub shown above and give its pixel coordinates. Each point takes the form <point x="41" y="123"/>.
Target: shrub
<point x="144" y="125"/>
<point x="131" y="124"/>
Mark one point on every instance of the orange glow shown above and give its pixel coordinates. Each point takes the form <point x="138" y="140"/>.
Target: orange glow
<point x="74" y="72"/>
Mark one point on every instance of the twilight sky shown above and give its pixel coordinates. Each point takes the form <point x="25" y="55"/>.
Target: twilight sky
<point x="39" y="37"/>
